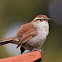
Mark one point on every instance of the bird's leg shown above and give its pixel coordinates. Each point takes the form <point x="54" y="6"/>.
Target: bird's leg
<point x="41" y="51"/>
<point x="26" y="51"/>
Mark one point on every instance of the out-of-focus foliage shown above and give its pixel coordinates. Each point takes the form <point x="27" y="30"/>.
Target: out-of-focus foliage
<point x="13" y="11"/>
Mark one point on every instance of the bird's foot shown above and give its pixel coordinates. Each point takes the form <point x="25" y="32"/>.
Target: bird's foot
<point x="41" y="51"/>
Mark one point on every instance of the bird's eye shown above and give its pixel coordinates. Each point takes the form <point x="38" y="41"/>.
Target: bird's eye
<point x="39" y="19"/>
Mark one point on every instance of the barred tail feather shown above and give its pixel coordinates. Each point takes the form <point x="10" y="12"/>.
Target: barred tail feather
<point x="13" y="40"/>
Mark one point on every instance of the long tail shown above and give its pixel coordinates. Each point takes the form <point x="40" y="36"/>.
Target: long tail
<point x="13" y="40"/>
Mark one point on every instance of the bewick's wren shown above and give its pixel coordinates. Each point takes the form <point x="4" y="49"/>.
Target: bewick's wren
<point x="31" y="36"/>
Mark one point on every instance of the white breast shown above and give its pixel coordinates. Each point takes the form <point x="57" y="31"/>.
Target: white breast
<point x="42" y="32"/>
<point x="42" y="28"/>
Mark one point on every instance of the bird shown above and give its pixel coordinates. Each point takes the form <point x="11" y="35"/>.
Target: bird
<point x="31" y="36"/>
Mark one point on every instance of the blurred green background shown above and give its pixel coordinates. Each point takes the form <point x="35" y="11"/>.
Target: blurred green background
<point x="16" y="12"/>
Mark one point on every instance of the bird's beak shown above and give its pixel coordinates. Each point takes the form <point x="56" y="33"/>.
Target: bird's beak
<point x="49" y="19"/>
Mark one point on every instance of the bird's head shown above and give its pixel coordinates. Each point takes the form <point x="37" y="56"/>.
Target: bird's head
<point x="41" y="21"/>
<point x="41" y="18"/>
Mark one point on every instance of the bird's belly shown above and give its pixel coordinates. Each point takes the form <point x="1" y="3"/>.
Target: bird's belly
<point x="35" y="42"/>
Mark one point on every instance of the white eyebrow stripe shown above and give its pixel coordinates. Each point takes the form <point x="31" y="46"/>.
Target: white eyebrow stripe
<point x="39" y="18"/>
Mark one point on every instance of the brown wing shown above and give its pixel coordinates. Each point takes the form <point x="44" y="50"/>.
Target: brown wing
<point x="27" y="31"/>
<point x="24" y="28"/>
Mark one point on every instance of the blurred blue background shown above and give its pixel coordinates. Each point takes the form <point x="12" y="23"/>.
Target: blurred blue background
<point x="14" y="13"/>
